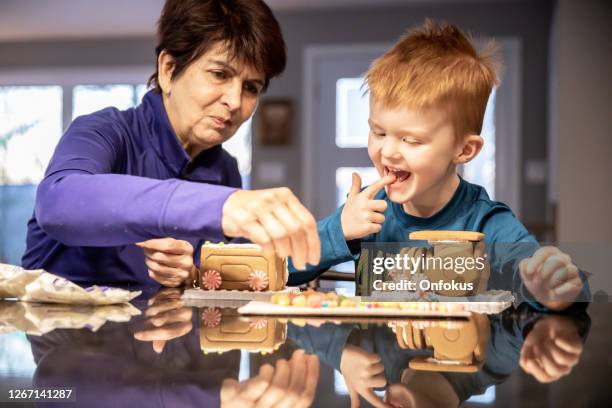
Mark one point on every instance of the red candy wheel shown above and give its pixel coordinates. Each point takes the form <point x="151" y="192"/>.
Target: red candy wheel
<point x="258" y="280"/>
<point x="211" y="279"/>
<point x="258" y="323"/>
<point x="211" y="317"/>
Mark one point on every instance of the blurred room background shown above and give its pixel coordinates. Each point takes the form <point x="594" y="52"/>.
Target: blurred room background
<point x="547" y="128"/>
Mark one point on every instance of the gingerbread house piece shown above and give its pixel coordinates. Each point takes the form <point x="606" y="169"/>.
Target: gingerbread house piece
<point x="456" y="244"/>
<point x="241" y="267"/>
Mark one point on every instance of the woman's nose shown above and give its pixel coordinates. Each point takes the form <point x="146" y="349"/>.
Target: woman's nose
<point x="232" y="96"/>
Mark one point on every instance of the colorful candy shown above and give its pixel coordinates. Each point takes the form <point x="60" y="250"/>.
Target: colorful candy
<point x="282" y="299"/>
<point x="299" y="301"/>
<point x="331" y="296"/>
<point x="313" y="299"/>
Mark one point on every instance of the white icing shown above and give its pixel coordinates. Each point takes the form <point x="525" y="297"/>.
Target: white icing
<point x="246" y="246"/>
<point x="443" y="362"/>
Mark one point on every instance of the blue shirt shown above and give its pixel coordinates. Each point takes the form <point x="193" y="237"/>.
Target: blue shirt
<point x="469" y="209"/>
<point x="120" y="177"/>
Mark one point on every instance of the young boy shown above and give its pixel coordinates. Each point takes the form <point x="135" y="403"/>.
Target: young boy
<point x="428" y="96"/>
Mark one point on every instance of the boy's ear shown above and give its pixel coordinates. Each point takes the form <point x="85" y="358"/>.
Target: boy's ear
<point x="468" y="149"/>
<point x="165" y="67"/>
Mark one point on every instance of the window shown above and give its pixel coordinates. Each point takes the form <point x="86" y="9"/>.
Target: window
<point x="352" y="112"/>
<point x="481" y="170"/>
<point x="30" y="126"/>
<point x="91" y="98"/>
<point x="31" y="123"/>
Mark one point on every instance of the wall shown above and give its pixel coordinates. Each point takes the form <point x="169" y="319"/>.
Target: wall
<point x="582" y="120"/>
<point x="529" y="21"/>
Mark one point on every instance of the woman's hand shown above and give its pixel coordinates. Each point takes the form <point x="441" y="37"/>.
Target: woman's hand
<point x="275" y="219"/>
<point x="289" y="384"/>
<point x="169" y="261"/>
<point x="166" y="318"/>
<point x="362" y="215"/>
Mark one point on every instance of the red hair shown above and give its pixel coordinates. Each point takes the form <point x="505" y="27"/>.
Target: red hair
<point x="436" y="66"/>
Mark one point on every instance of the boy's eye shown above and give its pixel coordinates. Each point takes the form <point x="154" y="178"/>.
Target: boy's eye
<point x="375" y="133"/>
<point x="411" y="141"/>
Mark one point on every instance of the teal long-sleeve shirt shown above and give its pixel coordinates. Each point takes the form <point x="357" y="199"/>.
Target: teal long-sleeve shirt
<point x="470" y="209"/>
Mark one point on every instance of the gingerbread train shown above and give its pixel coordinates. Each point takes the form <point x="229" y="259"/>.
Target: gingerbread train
<point x="240" y="267"/>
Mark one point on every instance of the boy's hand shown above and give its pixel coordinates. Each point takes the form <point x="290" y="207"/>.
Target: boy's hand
<point x="169" y="261"/>
<point x="362" y="215"/>
<point x="552" y="278"/>
<point x="552" y="348"/>
<point x="362" y="372"/>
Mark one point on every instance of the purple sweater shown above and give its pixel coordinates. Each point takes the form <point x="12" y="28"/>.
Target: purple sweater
<point x="120" y="177"/>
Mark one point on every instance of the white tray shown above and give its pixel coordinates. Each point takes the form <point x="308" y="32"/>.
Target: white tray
<point x="240" y="295"/>
<point x="267" y="308"/>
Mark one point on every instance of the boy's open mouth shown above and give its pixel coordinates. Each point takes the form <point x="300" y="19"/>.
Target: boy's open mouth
<point x="401" y="175"/>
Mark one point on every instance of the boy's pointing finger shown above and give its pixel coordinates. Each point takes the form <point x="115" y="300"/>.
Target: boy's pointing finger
<point x="371" y="190"/>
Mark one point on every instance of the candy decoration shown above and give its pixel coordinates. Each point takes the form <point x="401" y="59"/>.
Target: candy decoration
<point x="299" y="301"/>
<point x="258" y="323"/>
<point x="314" y="299"/>
<point x="211" y="279"/>
<point x="211" y="317"/>
<point x="283" y="300"/>
<point x="258" y="280"/>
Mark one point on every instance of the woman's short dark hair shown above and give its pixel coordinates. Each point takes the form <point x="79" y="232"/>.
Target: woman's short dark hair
<point x="189" y="28"/>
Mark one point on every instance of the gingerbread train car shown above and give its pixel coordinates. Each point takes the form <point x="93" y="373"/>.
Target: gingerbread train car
<point x="457" y="346"/>
<point x="223" y="329"/>
<point x="241" y="267"/>
<point x="464" y="245"/>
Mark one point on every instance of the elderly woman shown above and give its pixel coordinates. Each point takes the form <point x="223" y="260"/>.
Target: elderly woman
<point x="156" y="175"/>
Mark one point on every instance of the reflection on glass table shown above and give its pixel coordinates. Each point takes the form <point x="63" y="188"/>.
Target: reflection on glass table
<point x="213" y="356"/>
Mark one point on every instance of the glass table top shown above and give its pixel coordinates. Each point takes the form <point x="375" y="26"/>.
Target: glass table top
<point x="160" y="351"/>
